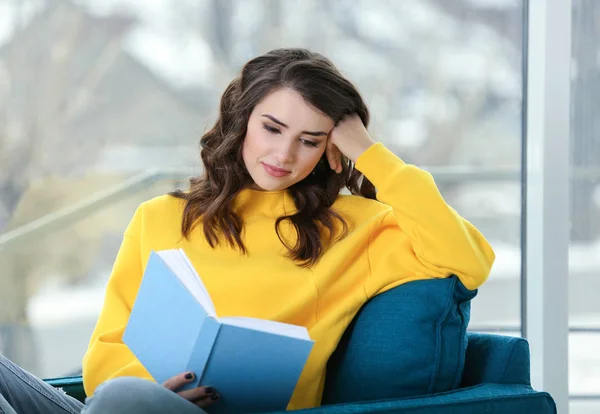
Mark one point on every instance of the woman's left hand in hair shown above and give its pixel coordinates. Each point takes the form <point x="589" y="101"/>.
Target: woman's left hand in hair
<point x="350" y="138"/>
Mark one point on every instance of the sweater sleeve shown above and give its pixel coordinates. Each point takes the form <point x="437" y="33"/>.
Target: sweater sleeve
<point x="421" y="236"/>
<point x="107" y="356"/>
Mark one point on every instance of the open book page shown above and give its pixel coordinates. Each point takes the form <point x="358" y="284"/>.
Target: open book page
<point x="180" y="264"/>
<point x="278" y="328"/>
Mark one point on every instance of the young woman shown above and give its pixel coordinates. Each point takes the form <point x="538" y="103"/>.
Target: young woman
<point x="271" y="235"/>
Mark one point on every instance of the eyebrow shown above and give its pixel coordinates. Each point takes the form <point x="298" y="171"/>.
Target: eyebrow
<point x="312" y="133"/>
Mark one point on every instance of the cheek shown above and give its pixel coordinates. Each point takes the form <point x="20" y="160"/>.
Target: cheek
<point x="254" y="143"/>
<point x="248" y="153"/>
<point x="249" y="146"/>
<point x="310" y="162"/>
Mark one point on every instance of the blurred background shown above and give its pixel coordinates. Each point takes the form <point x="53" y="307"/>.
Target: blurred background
<point x="103" y="102"/>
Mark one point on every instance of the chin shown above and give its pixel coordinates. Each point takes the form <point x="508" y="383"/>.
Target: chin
<point x="266" y="186"/>
<point x="267" y="183"/>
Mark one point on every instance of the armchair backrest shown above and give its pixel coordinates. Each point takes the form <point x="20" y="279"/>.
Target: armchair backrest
<point x="410" y="340"/>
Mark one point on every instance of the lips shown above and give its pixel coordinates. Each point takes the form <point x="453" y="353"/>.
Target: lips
<point x="274" y="171"/>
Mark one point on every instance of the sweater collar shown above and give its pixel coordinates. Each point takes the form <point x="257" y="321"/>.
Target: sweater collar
<point x="269" y="203"/>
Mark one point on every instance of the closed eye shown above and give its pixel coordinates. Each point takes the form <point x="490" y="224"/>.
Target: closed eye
<point x="306" y="142"/>
<point x="271" y="129"/>
<point x="309" y="143"/>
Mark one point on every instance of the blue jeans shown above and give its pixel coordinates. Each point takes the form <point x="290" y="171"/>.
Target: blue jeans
<point x="23" y="393"/>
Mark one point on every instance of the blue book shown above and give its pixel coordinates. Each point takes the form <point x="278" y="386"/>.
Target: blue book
<point x="254" y="364"/>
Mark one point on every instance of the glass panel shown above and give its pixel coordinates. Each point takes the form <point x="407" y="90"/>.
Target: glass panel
<point x="584" y="266"/>
<point x="491" y="142"/>
<point x="94" y="93"/>
<point x="584" y="407"/>
<point x="584" y="364"/>
<point x="506" y="332"/>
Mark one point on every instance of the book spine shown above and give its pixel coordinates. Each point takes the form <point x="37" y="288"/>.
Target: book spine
<point x="200" y="355"/>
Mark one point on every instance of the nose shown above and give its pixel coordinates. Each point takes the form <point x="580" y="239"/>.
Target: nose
<point x="285" y="153"/>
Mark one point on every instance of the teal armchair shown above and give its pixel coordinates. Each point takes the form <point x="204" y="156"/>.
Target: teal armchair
<point x="408" y="351"/>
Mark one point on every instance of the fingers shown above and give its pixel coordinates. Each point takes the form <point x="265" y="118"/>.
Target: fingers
<point x="178" y="381"/>
<point x="201" y="396"/>
<point x="334" y="157"/>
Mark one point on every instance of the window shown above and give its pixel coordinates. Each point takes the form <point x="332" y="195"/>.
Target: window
<point x="102" y="104"/>
<point x="584" y="257"/>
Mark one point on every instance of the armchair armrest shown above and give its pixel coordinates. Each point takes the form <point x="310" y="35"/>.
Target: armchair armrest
<point x="73" y="386"/>
<point x="496" y="359"/>
<point x="485" y="398"/>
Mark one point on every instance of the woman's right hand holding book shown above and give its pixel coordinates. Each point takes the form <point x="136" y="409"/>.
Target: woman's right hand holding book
<point x="201" y="396"/>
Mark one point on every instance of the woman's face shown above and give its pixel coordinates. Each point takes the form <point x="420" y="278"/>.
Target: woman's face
<point x="285" y="140"/>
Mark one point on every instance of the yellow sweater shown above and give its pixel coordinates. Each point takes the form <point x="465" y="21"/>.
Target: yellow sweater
<point x="409" y="234"/>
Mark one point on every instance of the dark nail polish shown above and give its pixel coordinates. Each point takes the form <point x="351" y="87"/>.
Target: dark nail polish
<point x="189" y="376"/>
<point x="209" y="390"/>
<point x="215" y="397"/>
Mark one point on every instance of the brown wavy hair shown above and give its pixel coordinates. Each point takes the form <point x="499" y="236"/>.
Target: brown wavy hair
<point x="210" y="196"/>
